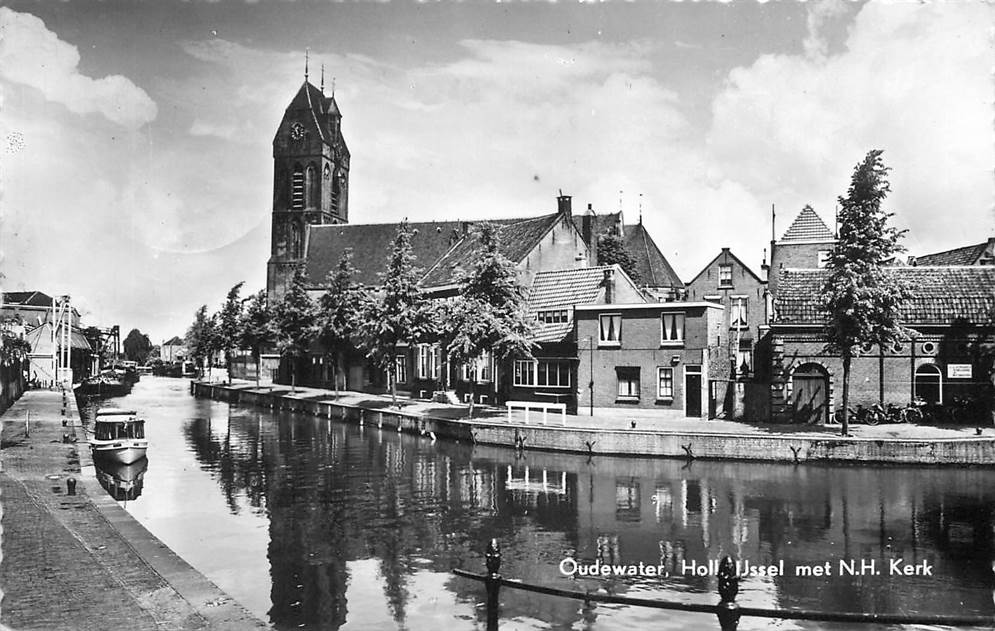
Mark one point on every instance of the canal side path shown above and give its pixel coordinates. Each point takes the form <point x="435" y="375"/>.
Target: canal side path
<point x="79" y="561"/>
<point x="631" y="432"/>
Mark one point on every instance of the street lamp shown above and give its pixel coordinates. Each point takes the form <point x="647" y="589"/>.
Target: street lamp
<point x="590" y="345"/>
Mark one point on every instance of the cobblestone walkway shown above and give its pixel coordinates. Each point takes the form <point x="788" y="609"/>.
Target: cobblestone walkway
<point x="78" y="561"/>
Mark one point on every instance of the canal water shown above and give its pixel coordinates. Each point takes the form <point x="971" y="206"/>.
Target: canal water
<point x="314" y="524"/>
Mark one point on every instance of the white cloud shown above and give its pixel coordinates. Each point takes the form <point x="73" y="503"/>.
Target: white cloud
<point x="34" y="56"/>
<point x="913" y="79"/>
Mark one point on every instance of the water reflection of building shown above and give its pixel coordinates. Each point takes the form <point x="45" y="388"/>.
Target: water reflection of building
<point x="335" y="494"/>
<point x="122" y="482"/>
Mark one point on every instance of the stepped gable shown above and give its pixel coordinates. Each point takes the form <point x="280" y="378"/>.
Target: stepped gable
<point x="967" y="255"/>
<point x="942" y="295"/>
<point x="808" y="226"/>
<point x="653" y="268"/>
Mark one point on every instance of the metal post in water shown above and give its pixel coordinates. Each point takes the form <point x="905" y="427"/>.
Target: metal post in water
<point x="27" y="423"/>
<point x="492" y="559"/>
<point x="728" y="588"/>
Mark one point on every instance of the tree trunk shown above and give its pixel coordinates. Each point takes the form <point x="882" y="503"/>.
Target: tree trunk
<point x="392" y="377"/>
<point x="259" y="368"/>
<point x="845" y="425"/>
<point x="293" y="376"/>
<point x="228" y="365"/>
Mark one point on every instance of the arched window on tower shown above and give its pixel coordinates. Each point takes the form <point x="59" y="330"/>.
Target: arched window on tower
<point x="297" y="188"/>
<point x="295" y="241"/>
<point x="311" y="186"/>
<point x="336" y="190"/>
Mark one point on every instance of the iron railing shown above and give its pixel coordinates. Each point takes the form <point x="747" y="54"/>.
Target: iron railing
<point x="727" y="609"/>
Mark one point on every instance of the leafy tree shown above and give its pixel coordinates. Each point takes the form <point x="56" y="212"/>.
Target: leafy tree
<point x="201" y="338"/>
<point x="490" y="313"/>
<point x="229" y="319"/>
<point x="255" y="327"/>
<point x="612" y="251"/>
<point x="137" y="346"/>
<point x="860" y="297"/>
<point x="339" y="311"/>
<point x="293" y="321"/>
<point x="398" y="313"/>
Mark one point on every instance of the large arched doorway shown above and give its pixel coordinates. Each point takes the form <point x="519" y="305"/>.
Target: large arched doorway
<point x="929" y="384"/>
<point x="810" y="394"/>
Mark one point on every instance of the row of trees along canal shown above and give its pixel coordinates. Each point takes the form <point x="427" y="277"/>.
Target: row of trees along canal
<point x="861" y="300"/>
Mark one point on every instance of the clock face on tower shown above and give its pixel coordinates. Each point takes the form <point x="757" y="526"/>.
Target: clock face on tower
<point x="296" y="131"/>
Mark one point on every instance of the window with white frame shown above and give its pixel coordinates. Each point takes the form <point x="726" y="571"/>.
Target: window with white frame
<point x="525" y="372"/>
<point x="552" y="316"/>
<point x="478" y="369"/>
<point x="610" y="329"/>
<point x="672" y="329"/>
<point x="628" y="382"/>
<point x="401" y="368"/>
<point x="824" y="256"/>
<point x="738" y="312"/>
<point x="553" y="374"/>
<point x="664" y="382"/>
<point x="427" y="361"/>
<point x="725" y="275"/>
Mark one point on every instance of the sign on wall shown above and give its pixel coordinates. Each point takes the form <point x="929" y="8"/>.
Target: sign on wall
<point x="959" y="371"/>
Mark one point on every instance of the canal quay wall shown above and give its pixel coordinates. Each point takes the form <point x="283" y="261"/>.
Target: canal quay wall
<point x="72" y="558"/>
<point x="770" y="444"/>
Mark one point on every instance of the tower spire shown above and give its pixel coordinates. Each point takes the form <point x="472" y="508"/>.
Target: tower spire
<point x="323" y="78"/>
<point x="307" y="53"/>
<point x="640" y="209"/>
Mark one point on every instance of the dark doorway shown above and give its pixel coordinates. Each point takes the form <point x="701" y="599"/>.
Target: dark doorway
<point x="692" y="391"/>
<point x="810" y="394"/>
<point x="929" y="384"/>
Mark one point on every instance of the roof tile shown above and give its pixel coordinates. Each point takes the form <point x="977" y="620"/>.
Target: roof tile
<point x="808" y="226"/>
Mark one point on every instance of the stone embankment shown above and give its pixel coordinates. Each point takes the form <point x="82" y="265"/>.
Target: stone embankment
<point x="72" y="557"/>
<point x="613" y="435"/>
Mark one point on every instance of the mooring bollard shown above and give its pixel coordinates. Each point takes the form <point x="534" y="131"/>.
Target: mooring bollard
<point x="27" y="423"/>
<point x="728" y="588"/>
<point x="492" y="559"/>
<point x="71" y="486"/>
<point x="65" y="437"/>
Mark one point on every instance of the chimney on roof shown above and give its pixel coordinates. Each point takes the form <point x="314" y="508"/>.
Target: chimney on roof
<point x="563" y="204"/>
<point x="609" y="284"/>
<point x="587" y="227"/>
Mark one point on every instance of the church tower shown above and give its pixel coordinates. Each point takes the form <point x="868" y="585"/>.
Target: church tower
<point x="310" y="180"/>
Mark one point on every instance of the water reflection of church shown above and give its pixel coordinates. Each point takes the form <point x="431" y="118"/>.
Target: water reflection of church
<point x="336" y="495"/>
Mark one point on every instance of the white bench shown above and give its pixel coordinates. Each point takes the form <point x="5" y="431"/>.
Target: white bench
<point x="533" y="405"/>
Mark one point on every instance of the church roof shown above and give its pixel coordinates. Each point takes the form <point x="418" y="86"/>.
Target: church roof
<point x="808" y="226"/>
<point x="517" y="237"/>
<point x="312" y="99"/>
<point x="176" y="341"/>
<point x="653" y="268"/>
<point x="941" y="295"/>
<point x="967" y="255"/>
<point x="442" y="249"/>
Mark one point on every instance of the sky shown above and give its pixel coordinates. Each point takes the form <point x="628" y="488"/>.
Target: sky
<point x="136" y="161"/>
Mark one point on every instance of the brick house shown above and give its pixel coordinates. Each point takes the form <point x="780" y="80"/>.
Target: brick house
<point x="655" y="359"/>
<point x="948" y="355"/>
<point x="727" y="281"/>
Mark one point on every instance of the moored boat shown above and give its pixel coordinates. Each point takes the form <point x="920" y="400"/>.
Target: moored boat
<point x="118" y="435"/>
<point x="107" y="384"/>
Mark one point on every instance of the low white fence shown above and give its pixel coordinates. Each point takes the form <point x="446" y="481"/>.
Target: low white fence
<point x="545" y="407"/>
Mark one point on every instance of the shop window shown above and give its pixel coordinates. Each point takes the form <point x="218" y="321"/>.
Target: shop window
<point x="525" y="372"/>
<point x="553" y="374"/>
